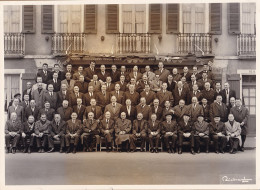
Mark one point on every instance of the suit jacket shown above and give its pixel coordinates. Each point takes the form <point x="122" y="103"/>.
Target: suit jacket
<point x="122" y="126"/>
<point x="63" y="74"/>
<point x="129" y="115"/>
<point x="24" y="105"/>
<point x="28" y="111"/>
<point x="55" y="129"/>
<point x="163" y="75"/>
<point x="232" y="93"/>
<point x="65" y="114"/>
<point x="123" y="86"/>
<point x="146" y="111"/>
<point x="177" y="97"/>
<point x="138" y="76"/>
<point x="38" y="97"/>
<point x="192" y="94"/>
<point x="211" y="76"/>
<point x="185" y="128"/>
<point x="164" y="97"/>
<point x="53" y="100"/>
<point x="195" y="112"/>
<point x="176" y="77"/>
<point x="103" y="100"/>
<point x="220" y="110"/>
<point x="126" y="74"/>
<point x="187" y="76"/>
<point x="13" y="127"/>
<point x="107" y="126"/>
<point x="142" y="128"/>
<point x="150" y="75"/>
<point x="165" y="111"/>
<point x="62" y="97"/>
<point x="74" y="128"/>
<point x="206" y="111"/>
<point x="197" y="75"/>
<point x="178" y="112"/>
<point x="56" y="85"/>
<point x="87" y="98"/>
<point x="59" y="75"/>
<point x="76" y="75"/>
<point x="120" y="97"/>
<point x="153" y="128"/>
<point x="89" y="74"/>
<point x="83" y="86"/>
<point x="103" y="76"/>
<point x="73" y="99"/>
<point x="156" y="85"/>
<point x="29" y="92"/>
<point x="98" y="114"/>
<point x="171" y="86"/>
<point x="159" y="112"/>
<point x="201" y="128"/>
<point x="192" y="83"/>
<point x="202" y="82"/>
<point x="149" y="97"/>
<point x="69" y="86"/>
<point x="215" y="128"/>
<point x="115" y="76"/>
<point x="45" y="78"/>
<point x="42" y="127"/>
<point x="209" y="95"/>
<point x="96" y="86"/>
<point x="235" y="129"/>
<point x="114" y="113"/>
<point x="19" y="111"/>
<point x="50" y="113"/>
<point x="110" y="87"/>
<point x="89" y="126"/>
<point x="241" y="115"/>
<point x="141" y="86"/>
<point x="26" y="128"/>
<point x="80" y="111"/>
<point x="135" y="97"/>
<point x="169" y="127"/>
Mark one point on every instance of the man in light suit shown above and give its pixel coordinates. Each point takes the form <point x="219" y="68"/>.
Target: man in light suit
<point x="50" y="96"/>
<point x="150" y="75"/>
<point x="68" y="82"/>
<point x="113" y="108"/>
<point x="95" y="83"/>
<point x="164" y="95"/>
<point x="195" y="109"/>
<point x="90" y="71"/>
<point x="78" y="73"/>
<point x="162" y="72"/>
<point x="38" y="94"/>
<point x="19" y="110"/>
<point x="120" y="95"/>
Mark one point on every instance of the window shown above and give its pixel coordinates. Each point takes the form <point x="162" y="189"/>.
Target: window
<point x="12" y="15"/>
<point x="248" y="18"/>
<point x="12" y="86"/>
<point x="249" y="93"/>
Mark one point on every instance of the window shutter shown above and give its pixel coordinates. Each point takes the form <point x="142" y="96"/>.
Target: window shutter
<point x="234" y="83"/>
<point x="215" y="18"/>
<point x="90" y="19"/>
<point x="172" y="21"/>
<point x="112" y="22"/>
<point x="234" y="18"/>
<point x="155" y="18"/>
<point x="47" y="19"/>
<point x="29" y="19"/>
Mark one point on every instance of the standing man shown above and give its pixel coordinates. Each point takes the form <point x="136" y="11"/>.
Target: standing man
<point x="103" y="97"/>
<point x="113" y="108"/>
<point x="148" y="94"/>
<point x="227" y="93"/>
<point x="218" y="108"/>
<point x="65" y="111"/>
<point x="157" y="109"/>
<point x="31" y="110"/>
<point x="165" y="95"/>
<point x="68" y="82"/>
<point x="28" y="90"/>
<point x="129" y="109"/>
<point x="122" y="83"/>
<point x="96" y="110"/>
<point x="44" y="73"/>
<point x="201" y="133"/>
<point x="135" y="74"/>
<point x="67" y="70"/>
<point x="74" y="96"/>
<point x="132" y="95"/>
<point x="102" y="74"/>
<point x="90" y="71"/>
<point x="120" y="95"/>
<point x="162" y="72"/>
<point x="79" y="109"/>
<point x="19" y="110"/>
<point x="186" y="73"/>
<point x="55" y="81"/>
<point x="47" y="110"/>
<point x="83" y="86"/>
<point x="180" y="93"/>
<point x="38" y="94"/>
<point x="50" y="96"/>
<point x="115" y="74"/>
<point x="208" y="93"/>
<point x="78" y="73"/>
<point x="89" y="95"/>
<point x="180" y="110"/>
<point x="150" y="75"/>
<point x="195" y="109"/>
<point x="63" y="94"/>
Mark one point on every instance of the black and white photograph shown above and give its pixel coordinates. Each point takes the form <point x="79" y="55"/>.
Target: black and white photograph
<point x="119" y="93"/>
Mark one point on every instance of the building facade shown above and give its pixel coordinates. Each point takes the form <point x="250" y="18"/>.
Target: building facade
<point x="127" y="34"/>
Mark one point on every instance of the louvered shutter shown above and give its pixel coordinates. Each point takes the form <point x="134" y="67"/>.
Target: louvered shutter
<point x="215" y="18"/>
<point x="47" y="19"/>
<point x="234" y="18"/>
<point x="112" y="20"/>
<point x="155" y="17"/>
<point x="90" y="19"/>
<point x="172" y="22"/>
<point x="29" y="19"/>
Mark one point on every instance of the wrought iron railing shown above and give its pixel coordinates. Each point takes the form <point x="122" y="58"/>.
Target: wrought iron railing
<point x="64" y="43"/>
<point x="14" y="43"/>
<point x="133" y="43"/>
<point x="194" y="43"/>
<point x="246" y="44"/>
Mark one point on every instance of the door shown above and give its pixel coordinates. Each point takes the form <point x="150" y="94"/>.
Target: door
<point x="12" y="15"/>
<point x="249" y="97"/>
<point x="12" y="86"/>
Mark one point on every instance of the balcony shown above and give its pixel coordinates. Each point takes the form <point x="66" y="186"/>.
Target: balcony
<point x="246" y="45"/>
<point x="193" y="43"/>
<point x="14" y="44"/>
<point x="66" y="43"/>
<point x="133" y="43"/>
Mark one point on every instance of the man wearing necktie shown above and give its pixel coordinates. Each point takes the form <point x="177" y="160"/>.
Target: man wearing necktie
<point x="27" y="134"/>
<point x="90" y="71"/>
<point x="201" y="133"/>
<point x="218" y="108"/>
<point x="44" y="73"/>
<point x="55" y="81"/>
<point x="227" y="93"/>
<point x="51" y="97"/>
<point x="107" y="130"/>
<point x="113" y="108"/>
<point x="154" y="133"/>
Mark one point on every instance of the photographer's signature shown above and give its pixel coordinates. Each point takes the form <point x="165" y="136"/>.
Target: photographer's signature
<point x="234" y="179"/>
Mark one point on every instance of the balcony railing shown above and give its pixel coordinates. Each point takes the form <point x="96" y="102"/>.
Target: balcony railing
<point x="64" y="43"/>
<point x="14" y="43"/>
<point x="246" y="44"/>
<point x="133" y="43"/>
<point x="194" y="43"/>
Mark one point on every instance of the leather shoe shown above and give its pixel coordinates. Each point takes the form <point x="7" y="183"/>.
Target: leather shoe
<point x="169" y="150"/>
<point x="207" y="151"/>
<point x="198" y="151"/>
<point x="242" y="149"/>
<point x="24" y="150"/>
<point x="231" y="151"/>
<point x="217" y="152"/>
<point x="74" y="151"/>
<point x="68" y="150"/>
<point x="180" y="151"/>
<point x="43" y="150"/>
<point x="51" y="150"/>
<point x="222" y="151"/>
<point x="156" y="150"/>
<point x="192" y="151"/>
<point x="40" y="150"/>
<point x="29" y="150"/>
<point x="13" y="150"/>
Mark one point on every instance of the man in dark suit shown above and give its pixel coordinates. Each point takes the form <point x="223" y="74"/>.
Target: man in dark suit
<point x="129" y="109"/>
<point x="83" y="86"/>
<point x="132" y="95"/>
<point x="148" y="94"/>
<point x="139" y="132"/>
<point x="194" y="81"/>
<point x="167" y="109"/>
<point x="206" y="70"/>
<point x="122" y="83"/>
<point x="89" y="95"/>
<point x="217" y="89"/>
<point x="37" y="95"/>
<point x="204" y="80"/>
<point x="103" y="97"/>
<point x="65" y="111"/>
<point x="186" y="73"/>
<point x="157" y="109"/>
<point x="162" y="72"/>
<point x="107" y="130"/>
<point x="180" y="93"/>
<point x="208" y="93"/>
<point x="150" y="75"/>
<point x="12" y="131"/>
<point x="79" y="109"/>
<point x="95" y="83"/>
<point x="219" y="108"/>
<point x="164" y="95"/>
<point x="73" y="131"/>
<point x="176" y="76"/>
<point x="206" y="109"/>
<point x="113" y="108"/>
<point x="196" y="73"/>
<point x="135" y="74"/>
<point x="115" y="74"/>
<point x="124" y="73"/>
<point x="201" y="132"/>
<point x="141" y="84"/>
<point x="227" y="93"/>
<point x="28" y="90"/>
<point x="78" y="73"/>
<point x="63" y="94"/>
<point x="32" y="109"/>
<point x="67" y="70"/>
<point x="186" y="132"/>
<point x="109" y="84"/>
<point x="27" y="134"/>
<point x="96" y="110"/>
<point x="26" y="101"/>
<point x="144" y="109"/>
<point x="103" y="74"/>
<point x="195" y="109"/>
<point x="47" y="110"/>
<point x="180" y="110"/>
<point x="56" y="69"/>
<point x="55" y="81"/>
<point x="170" y="83"/>
<point x="195" y="92"/>
<point x="50" y="96"/>
<point x="154" y="129"/>
<point x="44" y="73"/>
<point x="90" y="71"/>
<point x="57" y="132"/>
<point x="120" y="95"/>
<point x="74" y="95"/>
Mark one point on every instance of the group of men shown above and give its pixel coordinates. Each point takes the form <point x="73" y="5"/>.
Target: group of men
<point x="126" y="110"/>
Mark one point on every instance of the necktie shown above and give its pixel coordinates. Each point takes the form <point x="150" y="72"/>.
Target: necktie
<point x="179" y="92"/>
<point x="51" y="94"/>
<point x="95" y="82"/>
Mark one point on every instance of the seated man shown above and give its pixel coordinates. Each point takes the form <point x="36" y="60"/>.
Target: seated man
<point x="217" y="132"/>
<point x="28" y="133"/>
<point x="169" y="132"/>
<point x="12" y="131"/>
<point x="90" y="133"/>
<point x="154" y="133"/>
<point x="107" y="130"/>
<point x="233" y="131"/>
<point x="73" y="131"/>
<point x="42" y="131"/>
<point x="139" y="132"/>
<point x="201" y="133"/>
<point x="57" y="130"/>
<point x="123" y="127"/>
<point x="186" y="131"/>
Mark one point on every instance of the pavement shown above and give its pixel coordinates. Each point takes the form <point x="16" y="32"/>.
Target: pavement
<point x="102" y="168"/>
